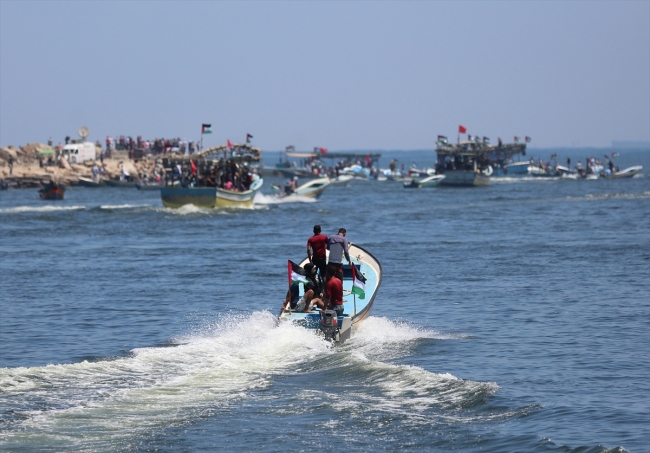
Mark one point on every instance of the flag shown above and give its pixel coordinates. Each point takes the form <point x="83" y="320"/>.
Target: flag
<point x="248" y="138"/>
<point x="516" y="139"/>
<point x="276" y="187"/>
<point x="229" y="144"/>
<point x="296" y="274"/>
<point x="289" y="149"/>
<point x="442" y="139"/>
<point x="462" y="129"/>
<point x="358" y="283"/>
<point x="323" y="150"/>
<point x="486" y="140"/>
<point x="528" y="139"/>
<point x="205" y="128"/>
<point x="193" y="166"/>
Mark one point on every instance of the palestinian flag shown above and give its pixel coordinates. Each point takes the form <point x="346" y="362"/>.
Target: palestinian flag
<point x="276" y="187"/>
<point x="358" y="283"/>
<point x="296" y="274"/>
<point x="528" y="139"/>
<point x="206" y="128"/>
<point x="248" y="138"/>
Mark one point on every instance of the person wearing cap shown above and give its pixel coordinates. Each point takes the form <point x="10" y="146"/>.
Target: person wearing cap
<point x="317" y="250"/>
<point x="337" y="244"/>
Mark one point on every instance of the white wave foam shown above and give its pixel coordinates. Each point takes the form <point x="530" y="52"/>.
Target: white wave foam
<point x="98" y="405"/>
<point x="270" y="199"/>
<point x="124" y="206"/>
<point x="48" y="208"/>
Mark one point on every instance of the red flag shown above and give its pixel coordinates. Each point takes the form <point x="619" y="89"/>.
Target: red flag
<point x="229" y="144"/>
<point x="462" y="129"/>
<point x="193" y="166"/>
<point x="323" y="150"/>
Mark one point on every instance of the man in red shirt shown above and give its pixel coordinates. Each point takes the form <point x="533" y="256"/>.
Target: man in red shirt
<point x="334" y="291"/>
<point x="316" y="250"/>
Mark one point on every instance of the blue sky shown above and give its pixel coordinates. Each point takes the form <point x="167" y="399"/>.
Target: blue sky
<point x="340" y="75"/>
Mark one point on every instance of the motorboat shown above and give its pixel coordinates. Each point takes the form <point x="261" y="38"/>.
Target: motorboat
<point x="310" y="189"/>
<point x="360" y="287"/>
<point x="341" y="180"/>
<point x="419" y="183"/>
<point x="629" y="172"/>
<point x="87" y="182"/>
<point x="52" y="191"/>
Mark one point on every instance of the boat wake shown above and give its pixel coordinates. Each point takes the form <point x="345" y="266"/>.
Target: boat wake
<point x="270" y="199"/>
<point x="28" y="209"/>
<point x="106" y="405"/>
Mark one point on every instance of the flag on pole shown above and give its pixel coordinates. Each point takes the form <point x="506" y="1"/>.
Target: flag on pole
<point x="206" y="128"/>
<point x="516" y="139"/>
<point x="358" y="283"/>
<point x="248" y="138"/>
<point x="528" y="139"/>
<point x="442" y="139"/>
<point x="462" y="129"/>
<point x="229" y="144"/>
<point x="323" y="150"/>
<point x="486" y="140"/>
<point x="296" y="273"/>
<point x="193" y="167"/>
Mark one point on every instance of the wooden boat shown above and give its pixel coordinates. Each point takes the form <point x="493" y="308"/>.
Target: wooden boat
<point x="629" y="172"/>
<point x="419" y="183"/>
<point x="208" y="197"/>
<point x="356" y="309"/>
<point x="87" y="182"/>
<point x="52" y="191"/>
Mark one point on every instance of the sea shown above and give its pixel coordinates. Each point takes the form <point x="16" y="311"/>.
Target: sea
<point x="510" y="318"/>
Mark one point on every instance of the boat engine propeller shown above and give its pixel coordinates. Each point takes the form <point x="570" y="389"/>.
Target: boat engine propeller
<point x="329" y="324"/>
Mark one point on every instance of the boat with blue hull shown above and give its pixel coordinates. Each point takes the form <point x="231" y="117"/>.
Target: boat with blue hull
<point x="208" y="197"/>
<point x="356" y="308"/>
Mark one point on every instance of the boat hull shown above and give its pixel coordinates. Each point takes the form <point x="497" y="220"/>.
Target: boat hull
<point x="208" y="197"/>
<point x="313" y="189"/>
<point x="429" y="181"/>
<point x="464" y="178"/>
<point x="627" y="173"/>
<point x="85" y="182"/>
<point x="115" y="183"/>
<point x="52" y="193"/>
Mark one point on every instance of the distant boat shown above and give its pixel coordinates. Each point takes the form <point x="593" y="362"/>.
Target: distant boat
<point x="419" y="183"/>
<point x="341" y="180"/>
<point x="52" y="191"/>
<point x="140" y="185"/>
<point x="119" y="183"/>
<point x="517" y="168"/>
<point x="87" y="182"/>
<point x="208" y="197"/>
<point x="310" y="189"/>
<point x="629" y="172"/>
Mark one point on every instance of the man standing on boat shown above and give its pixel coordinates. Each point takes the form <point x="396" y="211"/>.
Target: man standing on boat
<point x="317" y="250"/>
<point x="334" y="290"/>
<point x="337" y="244"/>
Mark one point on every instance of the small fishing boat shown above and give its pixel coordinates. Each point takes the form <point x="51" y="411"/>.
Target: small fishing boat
<point x="208" y="197"/>
<point x="141" y="185"/>
<point x="119" y="183"/>
<point x="629" y="172"/>
<point x="358" y="297"/>
<point x="87" y="182"/>
<point x="52" y="191"/>
<point x="419" y="183"/>
<point x="310" y="189"/>
<point x="517" y="168"/>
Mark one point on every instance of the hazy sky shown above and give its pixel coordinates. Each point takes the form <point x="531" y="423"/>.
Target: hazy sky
<point x="340" y="75"/>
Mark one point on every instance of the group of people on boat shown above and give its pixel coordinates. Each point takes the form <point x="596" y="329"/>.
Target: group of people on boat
<point x="227" y="174"/>
<point x="323" y="279"/>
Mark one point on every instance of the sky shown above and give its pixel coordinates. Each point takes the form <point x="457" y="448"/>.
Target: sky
<point x="339" y="75"/>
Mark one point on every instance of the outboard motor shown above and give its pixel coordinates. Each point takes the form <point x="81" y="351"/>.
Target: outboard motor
<point x="329" y="323"/>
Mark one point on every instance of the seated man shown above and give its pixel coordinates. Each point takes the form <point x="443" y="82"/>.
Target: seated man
<point x="334" y="290"/>
<point x="313" y="289"/>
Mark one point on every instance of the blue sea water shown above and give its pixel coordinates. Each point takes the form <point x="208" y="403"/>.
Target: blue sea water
<point x="514" y="317"/>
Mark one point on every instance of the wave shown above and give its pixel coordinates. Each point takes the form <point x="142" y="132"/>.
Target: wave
<point x="270" y="199"/>
<point x="48" y="208"/>
<point x="102" y="405"/>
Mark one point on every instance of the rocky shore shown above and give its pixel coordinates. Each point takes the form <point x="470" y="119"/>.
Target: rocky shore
<point x="25" y="167"/>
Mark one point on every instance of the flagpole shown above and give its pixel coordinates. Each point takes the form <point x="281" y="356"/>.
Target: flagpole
<point x="201" y="136"/>
<point x="355" y="303"/>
